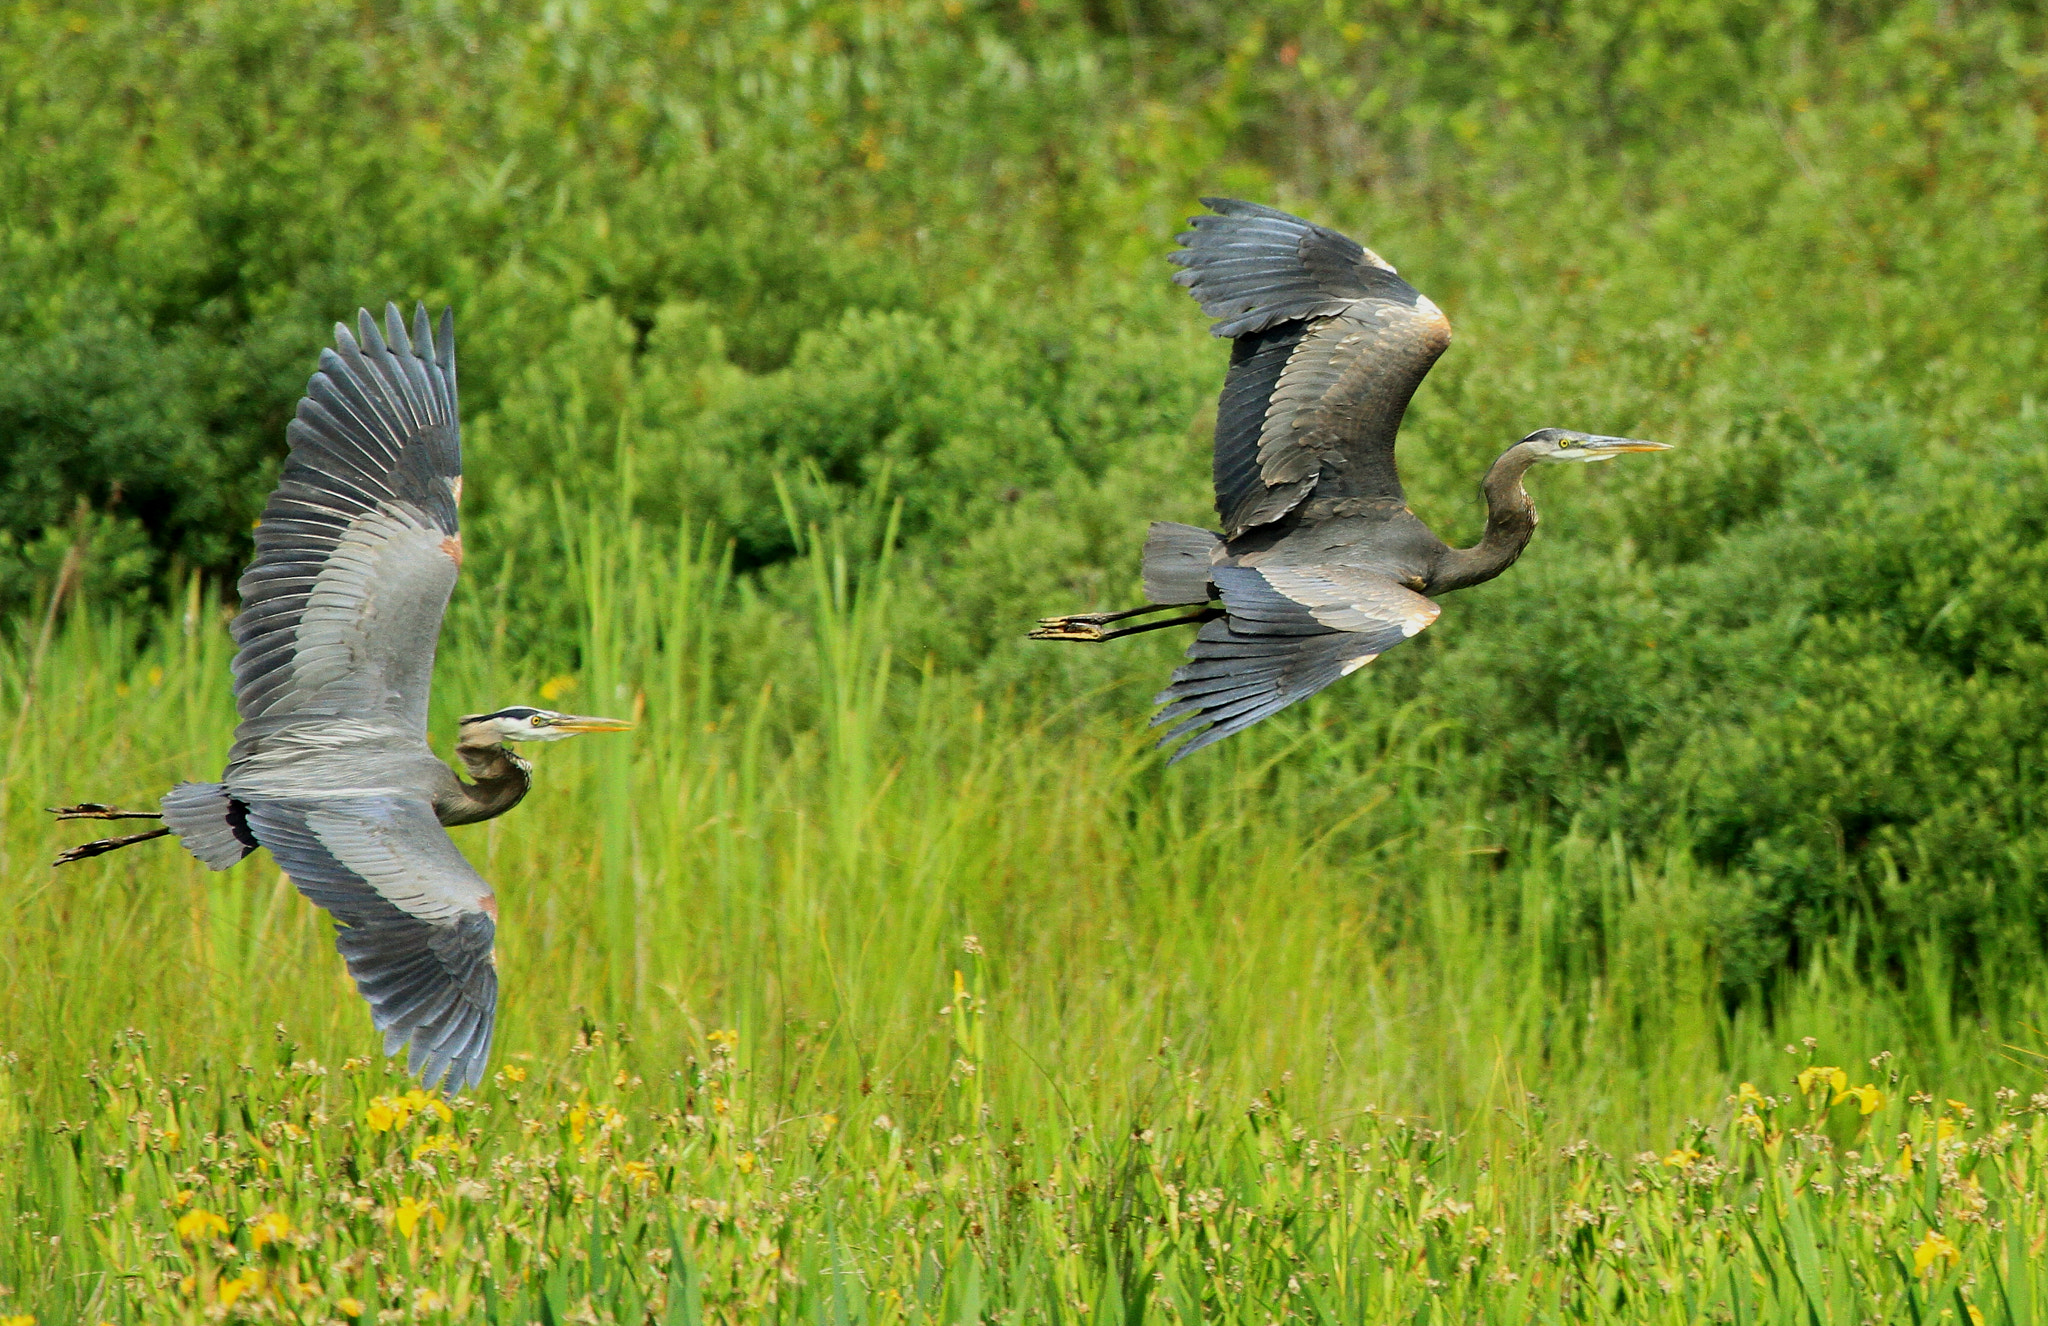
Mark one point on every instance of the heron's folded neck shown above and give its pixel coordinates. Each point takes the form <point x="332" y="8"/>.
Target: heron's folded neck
<point x="1510" y="524"/>
<point x="499" y="780"/>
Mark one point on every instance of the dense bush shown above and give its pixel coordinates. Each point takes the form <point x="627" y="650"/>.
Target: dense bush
<point x="764" y="265"/>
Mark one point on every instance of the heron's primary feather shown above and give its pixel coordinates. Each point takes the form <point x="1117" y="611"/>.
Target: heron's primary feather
<point x="1253" y="267"/>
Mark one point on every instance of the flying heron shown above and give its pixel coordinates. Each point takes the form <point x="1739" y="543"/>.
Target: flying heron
<point x="356" y="555"/>
<point x="1320" y="567"/>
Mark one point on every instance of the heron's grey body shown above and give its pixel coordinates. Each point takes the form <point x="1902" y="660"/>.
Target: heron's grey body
<point x="1320" y="566"/>
<point x="356" y="555"/>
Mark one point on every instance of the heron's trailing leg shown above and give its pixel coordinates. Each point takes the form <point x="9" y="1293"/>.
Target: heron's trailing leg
<point x="100" y="846"/>
<point x="93" y="810"/>
<point x="1087" y="627"/>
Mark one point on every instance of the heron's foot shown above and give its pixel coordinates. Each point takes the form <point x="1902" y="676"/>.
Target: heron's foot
<point x="101" y="846"/>
<point x="1086" y="629"/>
<point x="93" y="810"/>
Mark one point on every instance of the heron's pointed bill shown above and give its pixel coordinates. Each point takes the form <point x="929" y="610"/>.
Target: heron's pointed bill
<point x="578" y="723"/>
<point x="1604" y="447"/>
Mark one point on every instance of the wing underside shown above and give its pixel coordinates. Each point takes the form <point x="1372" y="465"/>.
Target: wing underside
<point x="1287" y="633"/>
<point x="413" y="920"/>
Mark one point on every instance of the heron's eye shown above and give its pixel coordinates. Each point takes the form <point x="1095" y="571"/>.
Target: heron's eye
<point x="538" y="721"/>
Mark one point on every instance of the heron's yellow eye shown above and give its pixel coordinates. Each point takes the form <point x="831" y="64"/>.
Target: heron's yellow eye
<point x="538" y="721"/>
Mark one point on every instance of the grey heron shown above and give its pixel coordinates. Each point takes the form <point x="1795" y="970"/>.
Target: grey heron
<point x="356" y="555"/>
<point x="1320" y="566"/>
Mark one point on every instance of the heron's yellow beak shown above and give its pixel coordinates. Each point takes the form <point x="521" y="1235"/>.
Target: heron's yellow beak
<point x="577" y="723"/>
<point x="1615" y="446"/>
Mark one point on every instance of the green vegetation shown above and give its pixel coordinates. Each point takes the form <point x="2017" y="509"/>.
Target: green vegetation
<point x="809" y="352"/>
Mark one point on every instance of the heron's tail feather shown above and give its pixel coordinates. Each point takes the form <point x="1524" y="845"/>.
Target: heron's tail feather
<point x="1178" y="562"/>
<point x="212" y="825"/>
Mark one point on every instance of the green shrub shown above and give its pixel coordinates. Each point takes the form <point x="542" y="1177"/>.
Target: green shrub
<point x="875" y="265"/>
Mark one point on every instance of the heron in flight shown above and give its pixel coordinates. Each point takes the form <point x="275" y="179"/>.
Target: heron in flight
<point x="1320" y="567"/>
<point x="356" y="555"/>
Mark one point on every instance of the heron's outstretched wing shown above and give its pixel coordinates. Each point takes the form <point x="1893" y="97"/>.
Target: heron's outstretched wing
<point x="1330" y="345"/>
<point x="1287" y="632"/>
<point x="358" y="549"/>
<point x="413" y="920"/>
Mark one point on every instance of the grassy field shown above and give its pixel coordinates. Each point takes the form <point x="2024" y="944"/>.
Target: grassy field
<point x="860" y="998"/>
<point x="1660" y="937"/>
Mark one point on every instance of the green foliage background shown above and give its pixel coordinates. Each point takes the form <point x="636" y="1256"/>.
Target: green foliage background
<point x="911" y="252"/>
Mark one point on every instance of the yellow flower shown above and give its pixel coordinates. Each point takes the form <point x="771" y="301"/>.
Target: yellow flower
<point x="1749" y="1123"/>
<point x="1832" y="1078"/>
<point x="392" y="1112"/>
<point x="744" y="1161"/>
<point x="554" y="688"/>
<point x="1867" y="1097"/>
<point x="173" y="1138"/>
<point x="1944" y="1129"/>
<point x="410" y="1209"/>
<point x="437" y="1144"/>
<point x="23" y="1320"/>
<point x="638" y="1173"/>
<point x="1747" y="1094"/>
<point x="1932" y="1249"/>
<point x="579" y="1119"/>
<point x="270" y="1227"/>
<point x="429" y="1300"/>
<point x="1976" y="1314"/>
<point x="513" y="1073"/>
<point x="230" y="1290"/>
<point x="1682" y="1157"/>
<point x="724" y="1041"/>
<point x="1905" y="1158"/>
<point x="349" y="1307"/>
<point x="423" y="1101"/>
<point x="198" y="1224"/>
<point x="182" y="1200"/>
<point x="188" y="1285"/>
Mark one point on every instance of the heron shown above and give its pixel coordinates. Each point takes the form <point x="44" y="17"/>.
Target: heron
<point x="357" y="553"/>
<point x="1320" y="567"/>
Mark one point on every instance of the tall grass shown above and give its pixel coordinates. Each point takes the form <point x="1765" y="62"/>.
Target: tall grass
<point x="937" y="924"/>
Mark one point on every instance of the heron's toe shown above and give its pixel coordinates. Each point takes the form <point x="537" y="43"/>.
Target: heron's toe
<point x="1068" y="628"/>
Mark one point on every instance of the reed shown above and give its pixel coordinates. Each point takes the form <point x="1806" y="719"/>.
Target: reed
<point x="913" y="1004"/>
